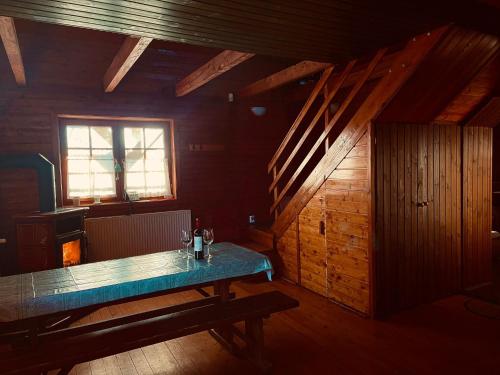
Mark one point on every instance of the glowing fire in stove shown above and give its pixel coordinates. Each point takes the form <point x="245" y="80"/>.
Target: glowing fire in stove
<point x="71" y="253"/>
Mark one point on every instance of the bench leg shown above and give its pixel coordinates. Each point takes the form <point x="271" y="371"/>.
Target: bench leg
<point x="254" y="331"/>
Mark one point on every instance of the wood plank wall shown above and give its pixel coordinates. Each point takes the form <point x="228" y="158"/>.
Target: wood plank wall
<point x="253" y="140"/>
<point x="287" y="247"/>
<point x="477" y="206"/>
<point x="313" y="258"/>
<point x="335" y="263"/>
<point x="418" y="198"/>
<point x="347" y="229"/>
<point x="28" y="124"/>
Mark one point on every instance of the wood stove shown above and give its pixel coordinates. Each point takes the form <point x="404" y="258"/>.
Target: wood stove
<point x="54" y="239"/>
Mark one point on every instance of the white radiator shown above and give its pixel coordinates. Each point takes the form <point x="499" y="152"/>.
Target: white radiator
<point x="124" y="236"/>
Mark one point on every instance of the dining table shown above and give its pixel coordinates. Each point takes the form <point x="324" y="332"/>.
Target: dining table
<point x="32" y="300"/>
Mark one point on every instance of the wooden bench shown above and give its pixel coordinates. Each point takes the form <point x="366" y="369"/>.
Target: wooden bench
<point x="64" y="348"/>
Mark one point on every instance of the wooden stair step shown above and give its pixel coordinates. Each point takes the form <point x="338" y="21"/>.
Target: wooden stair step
<point x="261" y="235"/>
<point x="255" y="246"/>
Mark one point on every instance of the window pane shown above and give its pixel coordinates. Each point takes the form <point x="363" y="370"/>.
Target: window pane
<point x="101" y="137"/>
<point x="78" y="166"/>
<point x="155" y="154"/>
<point x="134" y="165"/>
<point x="156" y="181"/>
<point x="102" y="154"/>
<point x="155" y="165"/>
<point x="79" y="185"/>
<point x="133" y="137"/>
<point x="154" y="138"/>
<point x="91" y="170"/>
<point x="99" y="166"/>
<point x="104" y="184"/>
<point x="134" y="154"/>
<point x="77" y="136"/>
<point x="135" y="181"/>
<point x="78" y="154"/>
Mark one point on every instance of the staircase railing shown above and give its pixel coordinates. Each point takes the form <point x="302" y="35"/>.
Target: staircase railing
<point x="330" y="94"/>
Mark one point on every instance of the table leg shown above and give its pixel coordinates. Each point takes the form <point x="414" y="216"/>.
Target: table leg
<point x="221" y="288"/>
<point x="224" y="334"/>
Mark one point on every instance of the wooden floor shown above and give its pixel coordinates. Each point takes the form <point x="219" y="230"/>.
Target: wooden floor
<point x="322" y="338"/>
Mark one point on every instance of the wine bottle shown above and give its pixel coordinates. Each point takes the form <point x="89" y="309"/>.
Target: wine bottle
<point x="198" y="240"/>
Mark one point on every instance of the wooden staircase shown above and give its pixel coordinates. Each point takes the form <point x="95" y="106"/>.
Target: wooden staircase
<point x="338" y="111"/>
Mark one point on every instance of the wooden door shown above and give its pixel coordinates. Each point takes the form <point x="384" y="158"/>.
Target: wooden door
<point x="312" y="244"/>
<point x="418" y="214"/>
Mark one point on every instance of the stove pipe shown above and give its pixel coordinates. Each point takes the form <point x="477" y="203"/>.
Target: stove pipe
<point x="45" y="172"/>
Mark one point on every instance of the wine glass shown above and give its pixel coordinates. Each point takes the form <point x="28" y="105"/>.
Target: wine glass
<point x="208" y="238"/>
<point x="186" y="239"/>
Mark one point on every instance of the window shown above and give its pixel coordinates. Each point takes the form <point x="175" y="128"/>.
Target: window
<point x="107" y="157"/>
<point x="145" y="163"/>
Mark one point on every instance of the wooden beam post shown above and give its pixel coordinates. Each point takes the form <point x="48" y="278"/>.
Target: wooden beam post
<point x="290" y="74"/>
<point x="131" y="49"/>
<point x="11" y="44"/>
<point x="220" y="64"/>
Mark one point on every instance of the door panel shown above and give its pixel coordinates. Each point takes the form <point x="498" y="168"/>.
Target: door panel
<point x="313" y="245"/>
<point x="418" y="208"/>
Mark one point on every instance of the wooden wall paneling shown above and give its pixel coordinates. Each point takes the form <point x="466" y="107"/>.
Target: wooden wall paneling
<point x="287" y="247"/>
<point x="418" y="212"/>
<point x="313" y="270"/>
<point x="29" y="125"/>
<point x="336" y="264"/>
<point x="456" y="184"/>
<point x="347" y="204"/>
<point x="370" y="155"/>
<point x="477" y="206"/>
<point x="304" y="136"/>
<point x="300" y="117"/>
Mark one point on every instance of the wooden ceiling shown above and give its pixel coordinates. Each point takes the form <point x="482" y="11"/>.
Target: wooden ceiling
<point x="67" y="57"/>
<point x="324" y="31"/>
<point x="447" y="71"/>
<point x="474" y="95"/>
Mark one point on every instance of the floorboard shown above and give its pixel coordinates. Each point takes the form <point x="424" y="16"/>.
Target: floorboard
<point x="321" y="337"/>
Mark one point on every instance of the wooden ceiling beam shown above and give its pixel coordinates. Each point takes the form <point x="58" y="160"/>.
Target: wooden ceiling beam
<point x="131" y="49"/>
<point x="220" y="64"/>
<point x="290" y="74"/>
<point x="11" y="44"/>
